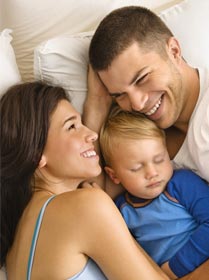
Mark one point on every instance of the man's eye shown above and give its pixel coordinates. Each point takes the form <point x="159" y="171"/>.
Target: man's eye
<point x="141" y="79"/>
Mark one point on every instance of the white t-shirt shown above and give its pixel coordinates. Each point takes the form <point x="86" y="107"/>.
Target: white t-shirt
<point x="194" y="153"/>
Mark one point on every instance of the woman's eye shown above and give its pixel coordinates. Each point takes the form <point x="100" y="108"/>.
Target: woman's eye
<point x="71" y="127"/>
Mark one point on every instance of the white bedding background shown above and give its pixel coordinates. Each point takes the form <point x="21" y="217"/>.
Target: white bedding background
<point x="34" y="23"/>
<point x="63" y="60"/>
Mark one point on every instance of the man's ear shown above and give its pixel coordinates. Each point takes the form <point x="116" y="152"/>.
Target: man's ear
<point x="174" y="49"/>
<point x="112" y="175"/>
<point x="42" y="162"/>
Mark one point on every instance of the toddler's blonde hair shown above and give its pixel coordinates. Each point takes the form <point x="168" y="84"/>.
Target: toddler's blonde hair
<point x="125" y="125"/>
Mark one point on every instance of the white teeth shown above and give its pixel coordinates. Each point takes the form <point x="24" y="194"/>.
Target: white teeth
<point x="89" y="154"/>
<point x="154" y="109"/>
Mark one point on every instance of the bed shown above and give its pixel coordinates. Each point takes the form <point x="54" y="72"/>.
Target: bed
<point x="48" y="40"/>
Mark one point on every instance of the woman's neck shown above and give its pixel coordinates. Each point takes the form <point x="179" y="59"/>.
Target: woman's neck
<point x="53" y="185"/>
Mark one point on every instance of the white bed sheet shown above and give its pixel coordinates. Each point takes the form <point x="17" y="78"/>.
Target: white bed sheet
<point x="33" y="22"/>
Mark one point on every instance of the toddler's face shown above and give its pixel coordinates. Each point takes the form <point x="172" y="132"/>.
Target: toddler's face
<point x="142" y="166"/>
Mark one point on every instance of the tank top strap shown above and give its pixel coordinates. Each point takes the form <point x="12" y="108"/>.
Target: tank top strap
<point x="35" y="237"/>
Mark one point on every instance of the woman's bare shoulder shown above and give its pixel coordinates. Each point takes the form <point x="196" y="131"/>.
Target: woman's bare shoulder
<point x="78" y="215"/>
<point x="82" y="202"/>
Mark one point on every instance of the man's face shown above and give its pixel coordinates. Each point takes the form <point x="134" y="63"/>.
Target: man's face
<point x="148" y="83"/>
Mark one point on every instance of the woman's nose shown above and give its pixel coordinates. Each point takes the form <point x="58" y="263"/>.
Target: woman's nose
<point x="91" y="136"/>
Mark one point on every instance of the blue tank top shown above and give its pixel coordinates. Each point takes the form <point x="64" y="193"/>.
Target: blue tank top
<point x="91" y="271"/>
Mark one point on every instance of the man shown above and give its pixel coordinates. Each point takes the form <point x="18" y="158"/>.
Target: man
<point x="139" y="64"/>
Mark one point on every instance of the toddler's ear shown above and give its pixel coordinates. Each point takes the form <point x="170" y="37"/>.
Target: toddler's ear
<point x="42" y="162"/>
<point x="112" y="175"/>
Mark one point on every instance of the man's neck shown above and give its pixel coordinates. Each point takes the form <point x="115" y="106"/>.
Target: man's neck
<point x="191" y="90"/>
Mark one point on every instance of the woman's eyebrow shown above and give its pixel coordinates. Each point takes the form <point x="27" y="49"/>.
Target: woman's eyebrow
<point x="69" y="119"/>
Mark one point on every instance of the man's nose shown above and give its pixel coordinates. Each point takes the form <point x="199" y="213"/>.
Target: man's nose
<point x="138" y="100"/>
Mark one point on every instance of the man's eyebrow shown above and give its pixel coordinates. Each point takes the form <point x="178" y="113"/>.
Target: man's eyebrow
<point x="133" y="80"/>
<point x="137" y="74"/>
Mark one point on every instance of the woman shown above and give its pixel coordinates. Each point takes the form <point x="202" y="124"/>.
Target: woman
<point x="51" y="228"/>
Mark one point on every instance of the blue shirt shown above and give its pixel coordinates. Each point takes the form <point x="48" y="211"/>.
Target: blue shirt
<point x="177" y="232"/>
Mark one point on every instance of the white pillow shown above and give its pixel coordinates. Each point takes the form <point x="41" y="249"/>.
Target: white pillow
<point x="189" y="22"/>
<point x="63" y="60"/>
<point x="8" y="67"/>
<point x="36" y="21"/>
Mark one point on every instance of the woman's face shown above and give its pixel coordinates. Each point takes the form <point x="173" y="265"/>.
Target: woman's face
<point x="69" y="152"/>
